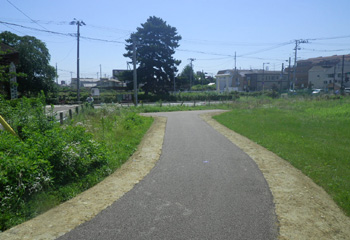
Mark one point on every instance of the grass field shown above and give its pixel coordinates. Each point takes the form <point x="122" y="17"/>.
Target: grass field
<point x="313" y="135"/>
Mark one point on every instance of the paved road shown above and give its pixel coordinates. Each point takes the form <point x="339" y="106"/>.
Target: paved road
<point x="203" y="187"/>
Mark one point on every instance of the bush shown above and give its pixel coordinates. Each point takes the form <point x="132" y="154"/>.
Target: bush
<point x="45" y="156"/>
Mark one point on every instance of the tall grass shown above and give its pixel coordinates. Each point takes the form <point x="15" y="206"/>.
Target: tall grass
<point x="51" y="164"/>
<point x="313" y="135"/>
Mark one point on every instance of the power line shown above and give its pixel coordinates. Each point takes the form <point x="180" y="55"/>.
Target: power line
<point x="266" y="49"/>
<point x="207" y="53"/>
<point x="59" y="33"/>
<point x="323" y="50"/>
<point x="36" y="29"/>
<point x="183" y="50"/>
<point x="25" y="14"/>
<point x="328" y="38"/>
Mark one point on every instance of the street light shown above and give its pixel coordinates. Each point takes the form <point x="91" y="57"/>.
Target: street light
<point x="78" y="23"/>
<point x="263" y="77"/>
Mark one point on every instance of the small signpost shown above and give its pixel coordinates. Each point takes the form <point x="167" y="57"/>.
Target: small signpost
<point x="13" y="81"/>
<point x="95" y="92"/>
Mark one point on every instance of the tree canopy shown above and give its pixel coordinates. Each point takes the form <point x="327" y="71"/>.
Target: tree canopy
<point x="34" y="61"/>
<point x="156" y="42"/>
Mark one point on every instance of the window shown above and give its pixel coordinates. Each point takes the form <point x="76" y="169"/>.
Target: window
<point x="331" y="75"/>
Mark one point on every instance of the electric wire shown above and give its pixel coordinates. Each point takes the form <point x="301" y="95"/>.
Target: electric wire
<point x="25" y="15"/>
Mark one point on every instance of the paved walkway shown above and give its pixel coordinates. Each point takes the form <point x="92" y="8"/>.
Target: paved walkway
<point x="203" y="187"/>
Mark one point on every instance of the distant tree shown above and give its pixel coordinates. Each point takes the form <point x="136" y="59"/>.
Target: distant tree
<point x="156" y="44"/>
<point x="185" y="76"/>
<point x="34" y="61"/>
<point x="126" y="77"/>
<point x="201" y="78"/>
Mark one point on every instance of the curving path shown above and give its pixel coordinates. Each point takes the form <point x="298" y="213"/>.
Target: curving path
<point x="202" y="187"/>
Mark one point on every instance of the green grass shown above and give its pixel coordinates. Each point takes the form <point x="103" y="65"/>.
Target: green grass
<point x="313" y="135"/>
<point x="119" y="131"/>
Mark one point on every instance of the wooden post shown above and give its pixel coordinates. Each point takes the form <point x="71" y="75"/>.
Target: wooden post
<point x="70" y="114"/>
<point x="61" y="118"/>
<point x="77" y="109"/>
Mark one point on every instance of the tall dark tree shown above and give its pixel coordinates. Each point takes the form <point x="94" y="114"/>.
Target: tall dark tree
<point x="34" y="61"/>
<point x="156" y="43"/>
<point x="185" y="76"/>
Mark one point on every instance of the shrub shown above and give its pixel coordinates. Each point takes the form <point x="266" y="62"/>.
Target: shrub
<point x="46" y="156"/>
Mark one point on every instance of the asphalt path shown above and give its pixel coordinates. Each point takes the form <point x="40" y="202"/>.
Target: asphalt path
<point x="202" y="187"/>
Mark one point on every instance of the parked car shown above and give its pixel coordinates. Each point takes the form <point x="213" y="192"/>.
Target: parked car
<point x="347" y="90"/>
<point x="317" y="91"/>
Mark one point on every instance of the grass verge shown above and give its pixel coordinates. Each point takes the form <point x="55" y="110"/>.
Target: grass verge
<point x="313" y="135"/>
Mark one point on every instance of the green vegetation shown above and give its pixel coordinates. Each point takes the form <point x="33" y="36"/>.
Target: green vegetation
<point x="34" y="57"/>
<point x="313" y="135"/>
<point x="52" y="163"/>
<point x="156" y="43"/>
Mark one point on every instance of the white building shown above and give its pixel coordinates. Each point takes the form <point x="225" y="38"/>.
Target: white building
<point x="329" y="76"/>
<point x="224" y="80"/>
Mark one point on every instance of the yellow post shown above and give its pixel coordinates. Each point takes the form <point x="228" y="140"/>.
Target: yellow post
<point x="7" y="126"/>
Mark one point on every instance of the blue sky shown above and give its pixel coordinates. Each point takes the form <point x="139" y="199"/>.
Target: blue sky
<point x="212" y="31"/>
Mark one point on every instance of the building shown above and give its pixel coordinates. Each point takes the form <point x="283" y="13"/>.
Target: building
<point x="117" y="72"/>
<point x="250" y="80"/>
<point x="329" y="76"/>
<point x="224" y="80"/>
<point x="304" y="66"/>
<point x="97" y="83"/>
<point x="108" y="83"/>
<point x="84" y="82"/>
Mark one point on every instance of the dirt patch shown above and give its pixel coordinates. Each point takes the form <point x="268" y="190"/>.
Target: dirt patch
<point x="65" y="217"/>
<point x="304" y="210"/>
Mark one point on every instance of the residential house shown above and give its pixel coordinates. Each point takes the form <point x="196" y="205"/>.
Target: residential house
<point x="250" y="80"/>
<point x="329" y="76"/>
<point x="303" y="67"/>
<point x="260" y="80"/>
<point x="224" y="80"/>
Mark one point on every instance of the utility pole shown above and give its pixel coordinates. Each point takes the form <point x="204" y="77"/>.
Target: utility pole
<point x="56" y="75"/>
<point x="342" y="77"/>
<point x="235" y="62"/>
<point x="289" y="73"/>
<point x="135" y="72"/>
<point x="100" y="71"/>
<point x="335" y="67"/>
<point x="191" y="73"/>
<point x="297" y="43"/>
<point x="281" y="84"/>
<point x="263" y="77"/>
<point x="78" y="23"/>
